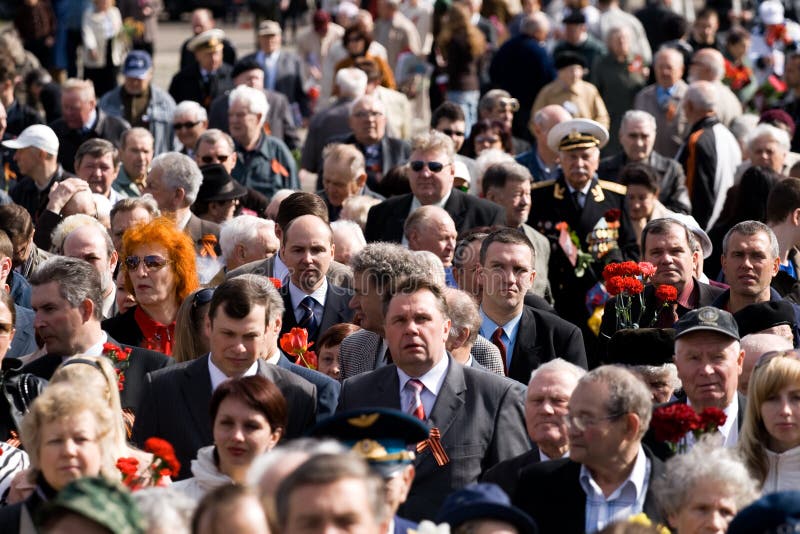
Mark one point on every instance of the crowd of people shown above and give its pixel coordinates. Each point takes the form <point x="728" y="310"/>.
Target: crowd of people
<point x="487" y="266"/>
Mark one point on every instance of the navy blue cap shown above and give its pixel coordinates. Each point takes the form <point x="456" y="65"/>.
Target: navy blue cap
<point x="137" y="64"/>
<point x="483" y="501"/>
<point x="385" y="438"/>
<point x="776" y="512"/>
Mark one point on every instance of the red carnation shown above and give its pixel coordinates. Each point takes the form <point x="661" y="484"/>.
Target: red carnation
<point x="666" y="293"/>
<point x="711" y="419"/>
<point x="647" y="269"/>
<point x="615" y="285"/>
<point x="128" y="466"/>
<point x="671" y="423"/>
<point x="275" y="282"/>
<point x="632" y="286"/>
<point x="612" y="215"/>
<point x="629" y="268"/>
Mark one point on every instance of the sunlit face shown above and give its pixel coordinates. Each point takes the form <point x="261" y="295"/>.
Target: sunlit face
<point x="668" y="68"/>
<point x="88" y="244"/>
<point x="579" y="165"/>
<point x="136" y="155"/>
<point x="251" y="78"/>
<point x="209" y="59"/>
<point x="640" y="201"/>
<point x="28" y="159"/>
<point x="570" y="75"/>
<point x="237" y="343"/>
<point x="220" y="152"/>
<point x="76" y="108"/>
<point x="368" y="122"/>
<point x="241" y="434"/>
<point x="619" y="43"/>
<point x="57" y="323"/>
<point x="165" y="197"/>
<point x="137" y="86"/>
<point x="188" y="129"/>
<point x="307" y="250"/>
<point x="328" y="358"/>
<point x="780" y="413"/>
<point x="152" y="287"/>
<point x="708" y="509"/>
<point x="766" y="152"/>
<point x="506" y="275"/>
<point x="69" y="449"/>
<point x="416" y="331"/>
<point x="546" y="404"/>
<point x="749" y="264"/>
<point x="338" y="182"/>
<point x="320" y="508"/>
<point x="709" y="365"/>
<point x="604" y="433"/>
<point x="515" y="198"/>
<point x="99" y="173"/>
<point x="438" y="236"/>
<point x="705" y="29"/>
<point x="671" y="254"/>
<point x="638" y="139"/>
<point x="264" y="246"/>
<point x="428" y="186"/>
<point x="243" y="123"/>
<point x="269" y="43"/>
<point x="455" y="130"/>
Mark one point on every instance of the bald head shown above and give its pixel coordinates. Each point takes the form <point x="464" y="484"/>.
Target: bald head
<point x="754" y="346"/>
<point x="431" y="228"/>
<point x="700" y="101"/>
<point x="307" y="250"/>
<point x="708" y="65"/>
<point x="93" y="244"/>
<point x="544" y="120"/>
<point x="668" y="65"/>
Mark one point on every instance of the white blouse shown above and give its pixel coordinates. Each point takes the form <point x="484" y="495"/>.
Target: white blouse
<point x="784" y="471"/>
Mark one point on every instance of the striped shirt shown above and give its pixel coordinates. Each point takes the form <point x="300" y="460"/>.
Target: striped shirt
<point x="12" y="461"/>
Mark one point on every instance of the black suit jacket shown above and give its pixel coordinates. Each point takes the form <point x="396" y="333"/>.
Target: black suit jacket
<point x="337" y="310"/>
<point x="327" y="388"/>
<point x="187" y="84"/>
<point x="542" y="337"/>
<point x="143" y="361"/>
<point x="551" y="494"/>
<point x="105" y="127"/>
<point x="175" y="405"/>
<point x="506" y="474"/>
<point x="385" y="220"/>
<point x="480" y="417"/>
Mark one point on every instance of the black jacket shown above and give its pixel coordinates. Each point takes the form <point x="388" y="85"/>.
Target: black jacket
<point x="19" y="390"/>
<point x="105" y="127"/>
<point x="187" y="84"/>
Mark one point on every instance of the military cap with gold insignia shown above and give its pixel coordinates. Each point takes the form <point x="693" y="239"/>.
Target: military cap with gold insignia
<point x="208" y="40"/>
<point x="385" y="438"/>
<point x="577" y="133"/>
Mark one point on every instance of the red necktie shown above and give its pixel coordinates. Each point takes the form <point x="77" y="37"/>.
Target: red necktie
<point x="416" y="409"/>
<point x="497" y="339"/>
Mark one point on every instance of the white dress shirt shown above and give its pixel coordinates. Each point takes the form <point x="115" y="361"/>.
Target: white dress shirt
<point x="432" y="380"/>
<point x="218" y="377"/>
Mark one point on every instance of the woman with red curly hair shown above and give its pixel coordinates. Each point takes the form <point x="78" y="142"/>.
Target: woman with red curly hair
<point x="160" y="271"/>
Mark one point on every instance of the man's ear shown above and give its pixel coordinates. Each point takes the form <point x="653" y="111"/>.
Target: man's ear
<point x="112" y="261"/>
<point x="87" y="309"/>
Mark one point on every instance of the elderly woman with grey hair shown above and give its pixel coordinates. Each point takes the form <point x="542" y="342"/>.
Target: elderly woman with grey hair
<point x="704" y="489"/>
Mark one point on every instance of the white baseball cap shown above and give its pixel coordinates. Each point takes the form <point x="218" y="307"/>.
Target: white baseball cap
<point x="771" y="12"/>
<point x="39" y="136"/>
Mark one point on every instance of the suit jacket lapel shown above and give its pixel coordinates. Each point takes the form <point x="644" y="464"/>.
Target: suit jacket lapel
<point x="455" y="207"/>
<point x="451" y="398"/>
<point x="334" y="310"/>
<point x="289" y="320"/>
<point x="196" y="390"/>
<point x="396" y="219"/>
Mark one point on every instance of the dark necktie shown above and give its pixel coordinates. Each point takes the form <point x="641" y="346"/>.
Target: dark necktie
<point x="577" y="195"/>
<point x="497" y="339"/>
<point x="307" y="320"/>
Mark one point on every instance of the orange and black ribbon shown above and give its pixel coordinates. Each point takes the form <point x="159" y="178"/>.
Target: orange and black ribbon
<point x="208" y="243"/>
<point x="434" y="441"/>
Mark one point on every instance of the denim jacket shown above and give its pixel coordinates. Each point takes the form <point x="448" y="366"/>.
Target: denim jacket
<point x="158" y="116"/>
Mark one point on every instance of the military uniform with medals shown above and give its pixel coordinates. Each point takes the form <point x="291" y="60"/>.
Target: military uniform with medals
<point x="553" y="202"/>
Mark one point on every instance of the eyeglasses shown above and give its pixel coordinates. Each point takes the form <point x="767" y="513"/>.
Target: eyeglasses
<point x="187" y="125"/>
<point x="452" y="133"/>
<point x="487" y="139"/>
<point x="434" y="166"/>
<point x="582" y="422"/>
<point x="202" y="297"/>
<point x="769" y="356"/>
<point x="222" y="158"/>
<point x="151" y="263"/>
<point x="512" y="103"/>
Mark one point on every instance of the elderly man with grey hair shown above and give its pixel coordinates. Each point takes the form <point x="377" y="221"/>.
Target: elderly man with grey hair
<point x="431" y="180"/>
<point x="432" y="229"/>
<point x="608" y="413"/>
<point x="637" y="135"/>
<point x="189" y="121"/>
<point x="264" y="163"/>
<point x="546" y="401"/>
<point x="709" y="155"/>
<point x="344" y="176"/>
<point x="247" y="238"/>
<point x="332" y="122"/>
<point x="767" y="146"/>
<point x="348" y="238"/>
<point x="541" y="160"/>
<point x="174" y="181"/>
<point x="135" y="154"/>
<point x="708" y="65"/>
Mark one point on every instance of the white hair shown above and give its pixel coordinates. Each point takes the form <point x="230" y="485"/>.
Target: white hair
<point x="190" y="107"/>
<point x="775" y="134"/>
<point x="254" y="99"/>
<point x="742" y="125"/>
<point x="241" y="230"/>
<point x="165" y="509"/>
<point x="637" y="115"/>
<point x="179" y="170"/>
<point x="262" y="465"/>
<point x="368" y="99"/>
<point x="702" y="95"/>
<point x="561" y="366"/>
<point x="489" y="157"/>
<point x="433" y="265"/>
<point x="352" y="82"/>
<point x="350" y="229"/>
<point x="103" y="207"/>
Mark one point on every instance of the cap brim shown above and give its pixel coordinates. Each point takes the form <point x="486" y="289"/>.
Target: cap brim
<point x="13" y="143"/>
<point x="138" y="74"/>
<point x="706" y="328"/>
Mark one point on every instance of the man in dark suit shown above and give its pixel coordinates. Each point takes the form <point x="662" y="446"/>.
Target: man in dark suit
<point x="671" y="247"/>
<point x="431" y="181"/>
<point x="546" y="400"/>
<point x="609" y="412"/>
<point x="310" y="301"/>
<point x="244" y="321"/>
<point x="174" y="182"/>
<point x="526" y="337"/>
<point x="709" y="359"/>
<point x="68" y="303"/>
<point x="209" y="77"/>
<point x="478" y="416"/>
<point x="580" y="200"/>
<point x="283" y="70"/>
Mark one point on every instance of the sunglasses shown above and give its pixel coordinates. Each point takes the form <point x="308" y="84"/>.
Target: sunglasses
<point x="505" y="103"/>
<point x="769" y="356"/>
<point x="187" y="125"/>
<point x="487" y="139"/>
<point x="452" y="133"/>
<point x="434" y="166"/>
<point x="151" y="263"/>
<point x="202" y="297"/>
<point x="222" y="158"/>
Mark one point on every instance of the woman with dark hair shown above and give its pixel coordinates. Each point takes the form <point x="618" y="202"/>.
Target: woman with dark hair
<point x="328" y="348"/>
<point x="248" y="417"/>
<point x="357" y="39"/>
<point x="460" y="48"/>
<point x="746" y="201"/>
<point x="160" y="266"/>
<point x="486" y="134"/>
<point x="641" y="198"/>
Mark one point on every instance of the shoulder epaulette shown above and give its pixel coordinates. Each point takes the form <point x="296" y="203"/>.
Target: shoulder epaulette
<point x="539" y="185"/>
<point x="613" y="186"/>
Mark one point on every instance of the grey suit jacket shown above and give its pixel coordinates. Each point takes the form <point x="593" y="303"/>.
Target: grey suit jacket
<point x="481" y="419"/>
<point x="338" y="274"/>
<point x="174" y="406"/>
<point x="24" y="341"/>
